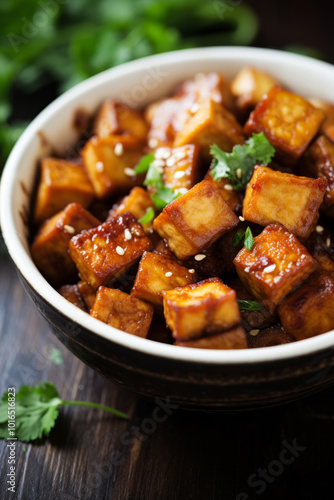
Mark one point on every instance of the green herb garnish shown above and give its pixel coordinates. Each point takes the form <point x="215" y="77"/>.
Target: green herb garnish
<point x="148" y="217"/>
<point x="36" y="411"/>
<point x="144" y="163"/>
<point x="248" y="240"/>
<point x="243" y="236"/>
<point x="55" y="356"/>
<point x="249" y="305"/>
<point x="238" y="165"/>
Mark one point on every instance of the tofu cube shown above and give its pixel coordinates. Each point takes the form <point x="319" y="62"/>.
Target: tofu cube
<point x="106" y="251"/>
<point x="277" y="263"/>
<point x="210" y="124"/>
<point x="156" y="274"/>
<point x="195" y="220"/>
<point x="72" y="294"/>
<point x="233" y="198"/>
<point x="114" y="117"/>
<point x="288" y="121"/>
<point x="273" y="335"/>
<point x="87" y="293"/>
<point x="180" y="166"/>
<point x="318" y="161"/>
<point x="249" y="86"/>
<point x="138" y="201"/>
<point x="232" y="339"/>
<point x="122" y="311"/>
<point x="110" y="161"/>
<point x="309" y="310"/>
<point x="50" y="246"/>
<point x="272" y="196"/>
<point x="204" y="308"/>
<point x="61" y="182"/>
<point x="327" y="126"/>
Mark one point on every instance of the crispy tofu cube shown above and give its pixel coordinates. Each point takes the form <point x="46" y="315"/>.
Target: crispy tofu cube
<point x="195" y="220"/>
<point x="109" y="163"/>
<point x="318" y="161"/>
<point x="50" y="246"/>
<point x="61" y="182"/>
<point x="204" y="308"/>
<point x="309" y="310"/>
<point x="232" y="339"/>
<point x="277" y="263"/>
<point x="156" y="274"/>
<point x="87" y="293"/>
<point x="249" y="86"/>
<point x="114" y="117"/>
<point x="210" y="124"/>
<point x="233" y="198"/>
<point x="288" y="121"/>
<point x="122" y="311"/>
<point x="163" y="116"/>
<point x="327" y="126"/>
<point x="273" y="335"/>
<point x="107" y="251"/>
<point x="72" y="294"/>
<point x="180" y="166"/>
<point x="290" y="200"/>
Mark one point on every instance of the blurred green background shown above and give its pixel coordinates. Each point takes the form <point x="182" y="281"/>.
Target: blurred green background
<point x="47" y="46"/>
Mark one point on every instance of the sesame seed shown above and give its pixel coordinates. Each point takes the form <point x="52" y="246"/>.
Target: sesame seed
<point x="191" y="271"/>
<point x="129" y="172"/>
<point x="241" y="218"/>
<point x="179" y="174"/>
<point x="239" y="173"/>
<point x="194" y="108"/>
<point x="153" y="142"/>
<point x="254" y="332"/>
<point x="162" y="153"/>
<point x="228" y="187"/>
<point x="118" y="149"/>
<point x="168" y="274"/>
<point x="182" y="190"/>
<point x="200" y="256"/>
<point x="120" y="250"/>
<point x="246" y="269"/>
<point x="99" y="166"/>
<point x="319" y="229"/>
<point x="328" y="242"/>
<point x="158" y="163"/>
<point x="170" y="162"/>
<point x="69" y="229"/>
<point x="127" y="234"/>
<point x="216" y="97"/>
<point x="269" y="269"/>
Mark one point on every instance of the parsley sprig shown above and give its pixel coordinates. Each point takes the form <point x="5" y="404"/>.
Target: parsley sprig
<point x="238" y="165"/>
<point x="243" y="236"/>
<point x="36" y="411"/>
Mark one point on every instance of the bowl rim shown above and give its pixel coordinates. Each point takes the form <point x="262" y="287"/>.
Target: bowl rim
<point x="30" y="273"/>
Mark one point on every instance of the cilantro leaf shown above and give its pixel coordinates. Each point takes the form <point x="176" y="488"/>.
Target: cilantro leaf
<point x="238" y="165"/>
<point x="162" y="195"/>
<point x="249" y="240"/>
<point x="238" y="237"/>
<point x="243" y="236"/>
<point x="36" y="411"/>
<point x="55" y="356"/>
<point x="148" y="216"/>
<point x="249" y="305"/>
<point x="144" y="163"/>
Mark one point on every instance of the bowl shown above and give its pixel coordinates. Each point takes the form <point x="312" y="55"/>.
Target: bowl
<point x="190" y="378"/>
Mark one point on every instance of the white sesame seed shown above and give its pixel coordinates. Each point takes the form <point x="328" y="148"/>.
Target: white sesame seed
<point x="162" y="153"/>
<point x="118" y="149"/>
<point x="246" y="269"/>
<point x="158" y="163"/>
<point x="179" y="174"/>
<point x="170" y="162"/>
<point x="69" y="229"/>
<point x="99" y="166"/>
<point x="269" y="269"/>
<point x="239" y="173"/>
<point x="191" y="271"/>
<point x="254" y="332"/>
<point x="129" y="172"/>
<point x="179" y="155"/>
<point x="182" y="190"/>
<point x="200" y="256"/>
<point x="328" y="242"/>
<point x="127" y="234"/>
<point x="319" y="229"/>
<point x="228" y="187"/>
<point x="120" y="250"/>
<point x="216" y="97"/>
<point x="194" y="108"/>
<point x="153" y="142"/>
<point x="168" y="274"/>
<point x="241" y="218"/>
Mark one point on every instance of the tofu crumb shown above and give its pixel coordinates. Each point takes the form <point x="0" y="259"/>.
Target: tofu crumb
<point x="119" y="149"/>
<point x="191" y="271"/>
<point x="199" y="257"/>
<point x="179" y="174"/>
<point x="241" y="218"/>
<point x="269" y="269"/>
<point x="99" y="166"/>
<point x="153" y="143"/>
<point x="319" y="229"/>
<point x="228" y="187"/>
<point x="120" y="250"/>
<point x="328" y="242"/>
<point x="194" y="108"/>
<point x="129" y="172"/>
<point x="127" y="234"/>
<point x="168" y="274"/>
<point x="69" y="229"/>
<point x="254" y="332"/>
<point x="239" y="173"/>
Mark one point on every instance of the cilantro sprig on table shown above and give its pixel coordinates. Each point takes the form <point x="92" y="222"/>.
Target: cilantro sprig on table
<point x="238" y="165"/>
<point x="36" y="411"/>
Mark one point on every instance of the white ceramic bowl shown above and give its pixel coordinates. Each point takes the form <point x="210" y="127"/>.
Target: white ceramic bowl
<point x="192" y="377"/>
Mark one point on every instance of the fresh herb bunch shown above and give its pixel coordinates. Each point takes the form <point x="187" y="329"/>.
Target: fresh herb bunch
<point x="36" y="411"/>
<point x="238" y="165"/>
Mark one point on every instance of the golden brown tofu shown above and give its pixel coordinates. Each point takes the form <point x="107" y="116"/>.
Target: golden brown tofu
<point x="290" y="200"/>
<point x="108" y="250"/>
<point x="204" y="308"/>
<point x="138" y="201"/>
<point x="114" y="117"/>
<point x="195" y="220"/>
<point x="50" y="246"/>
<point x="122" y="311"/>
<point x="274" y="335"/>
<point x="180" y="166"/>
<point x="163" y="116"/>
<point x="156" y="274"/>
<point x="61" y="182"/>
<point x="249" y="86"/>
<point x="110" y="161"/>
<point x="87" y="293"/>
<point x="327" y="126"/>
<point x="233" y="198"/>
<point x="288" y="121"/>
<point x="318" y="161"/>
<point x="232" y="339"/>
<point x="72" y="294"/>
<point x="277" y="263"/>
<point x="210" y="124"/>
<point x="309" y="310"/>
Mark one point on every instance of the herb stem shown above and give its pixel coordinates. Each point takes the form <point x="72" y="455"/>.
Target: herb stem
<point x="95" y="405"/>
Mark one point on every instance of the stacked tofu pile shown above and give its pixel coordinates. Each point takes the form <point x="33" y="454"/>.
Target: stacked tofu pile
<point x="180" y="265"/>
